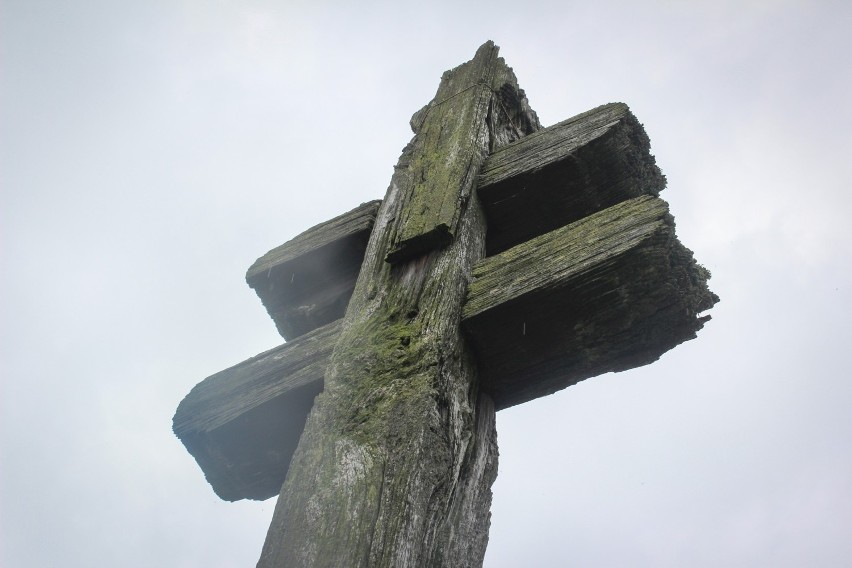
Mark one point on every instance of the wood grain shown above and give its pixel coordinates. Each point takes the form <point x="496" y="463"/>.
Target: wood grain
<point x="242" y="424"/>
<point x="610" y="292"/>
<point x="565" y="172"/>
<point x="307" y="282"/>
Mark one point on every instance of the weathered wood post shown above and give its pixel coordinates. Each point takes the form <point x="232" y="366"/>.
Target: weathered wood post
<point x="584" y="275"/>
<point x="398" y="455"/>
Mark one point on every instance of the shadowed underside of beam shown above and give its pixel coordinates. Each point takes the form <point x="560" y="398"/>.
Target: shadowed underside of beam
<point x="565" y="172"/>
<point x="541" y="182"/>
<point x="242" y="424"/>
<point x="307" y="282"/>
<point x="610" y="292"/>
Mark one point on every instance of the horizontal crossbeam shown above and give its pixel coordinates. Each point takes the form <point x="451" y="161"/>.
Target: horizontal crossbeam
<point x="565" y="172"/>
<point x="307" y="282"/>
<point x="539" y="183"/>
<point x="610" y="292"/>
<point x="242" y="424"/>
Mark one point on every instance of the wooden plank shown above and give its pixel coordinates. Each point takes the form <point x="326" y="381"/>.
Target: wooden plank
<point x="398" y="455"/>
<point x="565" y="172"/>
<point x="452" y="141"/>
<point x="610" y="292"/>
<point x="307" y="282"/>
<point x="242" y="424"/>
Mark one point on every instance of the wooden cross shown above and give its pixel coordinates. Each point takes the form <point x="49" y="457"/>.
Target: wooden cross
<point x="505" y="262"/>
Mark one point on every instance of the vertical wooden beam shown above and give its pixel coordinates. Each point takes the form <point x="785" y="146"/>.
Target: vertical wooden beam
<point x="397" y="458"/>
<point x="440" y="164"/>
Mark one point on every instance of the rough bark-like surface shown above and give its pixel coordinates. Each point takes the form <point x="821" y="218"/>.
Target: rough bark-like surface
<point x="565" y="172"/>
<point x="242" y="424"/>
<point x="307" y="282"/>
<point x="399" y="453"/>
<point x="608" y="293"/>
<point x="431" y="214"/>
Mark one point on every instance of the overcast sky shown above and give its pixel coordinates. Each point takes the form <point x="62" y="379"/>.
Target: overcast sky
<point x="150" y="151"/>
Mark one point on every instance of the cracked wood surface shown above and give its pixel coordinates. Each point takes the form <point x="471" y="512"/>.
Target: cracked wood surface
<point x="565" y="172"/>
<point x="610" y="292"/>
<point x="398" y="455"/>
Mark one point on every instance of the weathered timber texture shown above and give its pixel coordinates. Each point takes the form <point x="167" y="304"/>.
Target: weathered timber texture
<point x="565" y="172"/>
<point x="307" y="282"/>
<point x="434" y="204"/>
<point x="399" y="452"/>
<point x="242" y="424"/>
<point x="512" y="370"/>
<point x="610" y="292"/>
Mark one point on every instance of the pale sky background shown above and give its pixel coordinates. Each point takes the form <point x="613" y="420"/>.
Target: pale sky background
<point x="150" y="151"/>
